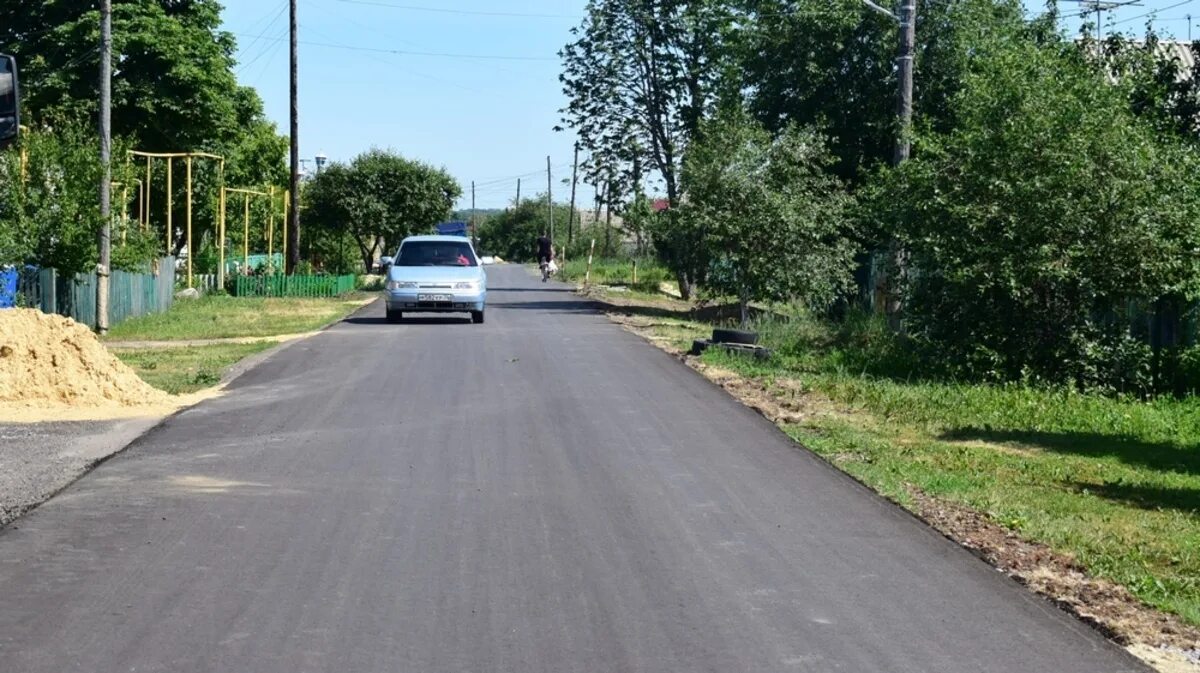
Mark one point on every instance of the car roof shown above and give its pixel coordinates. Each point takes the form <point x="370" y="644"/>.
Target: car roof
<point x="440" y="239"/>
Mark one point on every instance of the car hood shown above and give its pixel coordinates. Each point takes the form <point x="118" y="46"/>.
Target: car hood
<point x="434" y="273"/>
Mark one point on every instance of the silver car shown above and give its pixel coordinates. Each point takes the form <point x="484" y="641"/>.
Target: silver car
<point x="436" y="274"/>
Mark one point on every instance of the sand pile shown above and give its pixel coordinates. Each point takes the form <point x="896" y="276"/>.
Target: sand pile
<point x="49" y="360"/>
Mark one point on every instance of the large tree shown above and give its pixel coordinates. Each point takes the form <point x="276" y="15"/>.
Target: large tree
<point x="376" y="200"/>
<point x="831" y="64"/>
<point x="639" y="78"/>
<point x="174" y="90"/>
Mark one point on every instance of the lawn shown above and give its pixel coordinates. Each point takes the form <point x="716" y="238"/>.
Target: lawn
<point x="216" y="317"/>
<point x="186" y="369"/>
<point x="1115" y="483"/>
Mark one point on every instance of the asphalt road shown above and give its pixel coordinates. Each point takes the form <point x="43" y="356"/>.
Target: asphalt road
<point x="544" y="492"/>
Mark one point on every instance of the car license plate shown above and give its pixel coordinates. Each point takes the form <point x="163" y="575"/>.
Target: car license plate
<point x="434" y="297"/>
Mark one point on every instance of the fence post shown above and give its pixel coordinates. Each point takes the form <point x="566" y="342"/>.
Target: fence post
<point x="587" y="276"/>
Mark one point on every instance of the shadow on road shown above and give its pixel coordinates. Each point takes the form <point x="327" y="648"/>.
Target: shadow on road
<point x="380" y="320"/>
<point x="567" y="306"/>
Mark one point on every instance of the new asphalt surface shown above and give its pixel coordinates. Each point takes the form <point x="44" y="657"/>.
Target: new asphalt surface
<point x="543" y="492"/>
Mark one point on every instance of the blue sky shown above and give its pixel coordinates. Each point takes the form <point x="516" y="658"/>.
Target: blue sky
<point x="381" y="73"/>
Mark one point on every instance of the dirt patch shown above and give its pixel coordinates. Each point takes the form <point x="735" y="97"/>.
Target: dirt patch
<point x="1103" y="604"/>
<point x="51" y="360"/>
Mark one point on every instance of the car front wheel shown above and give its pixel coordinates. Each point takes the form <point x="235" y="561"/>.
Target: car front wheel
<point x="394" y="316"/>
<point x="477" y="317"/>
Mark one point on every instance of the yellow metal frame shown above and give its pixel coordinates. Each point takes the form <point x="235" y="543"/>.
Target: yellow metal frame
<point x="144" y="195"/>
<point x="246" y="194"/>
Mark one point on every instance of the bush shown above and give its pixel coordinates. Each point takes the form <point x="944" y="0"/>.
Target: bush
<point x="1048" y="207"/>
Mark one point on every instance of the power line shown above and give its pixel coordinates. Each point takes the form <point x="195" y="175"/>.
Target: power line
<point x="266" y="47"/>
<point x="406" y="52"/>
<point x="1160" y="9"/>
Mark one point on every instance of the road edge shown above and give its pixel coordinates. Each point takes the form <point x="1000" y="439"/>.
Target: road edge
<point x="1141" y="654"/>
<point x="98" y="449"/>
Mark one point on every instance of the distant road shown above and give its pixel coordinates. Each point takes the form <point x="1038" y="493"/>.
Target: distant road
<point x="543" y="492"/>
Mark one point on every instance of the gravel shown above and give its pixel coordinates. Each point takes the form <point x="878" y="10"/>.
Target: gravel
<point x="38" y="460"/>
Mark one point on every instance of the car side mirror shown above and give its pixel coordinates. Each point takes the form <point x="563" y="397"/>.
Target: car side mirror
<point x="385" y="262"/>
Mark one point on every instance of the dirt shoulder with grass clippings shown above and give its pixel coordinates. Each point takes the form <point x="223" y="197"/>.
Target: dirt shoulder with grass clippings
<point x="1162" y="640"/>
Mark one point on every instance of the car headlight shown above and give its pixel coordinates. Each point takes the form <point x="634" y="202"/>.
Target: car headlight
<point x="465" y="285"/>
<point x="400" y="285"/>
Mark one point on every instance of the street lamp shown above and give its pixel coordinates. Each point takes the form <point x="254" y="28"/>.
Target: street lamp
<point x="321" y="159"/>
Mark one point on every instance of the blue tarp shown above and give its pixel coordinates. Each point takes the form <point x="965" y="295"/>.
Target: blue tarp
<point x="8" y="287"/>
<point x="452" y="228"/>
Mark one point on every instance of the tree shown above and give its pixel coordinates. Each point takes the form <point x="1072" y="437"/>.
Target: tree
<point x="377" y="199"/>
<point x="770" y="219"/>
<point x="639" y="79"/>
<point x="1039" y="217"/>
<point x="49" y="214"/>
<point x="511" y="234"/>
<point x="174" y="90"/>
<point x="831" y="65"/>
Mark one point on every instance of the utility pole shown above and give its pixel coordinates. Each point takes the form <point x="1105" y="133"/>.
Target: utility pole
<point x="571" y="216"/>
<point x="904" y="65"/>
<point x="474" y="238"/>
<point x="518" y="193"/>
<point x="102" y="269"/>
<point x="293" y="223"/>
<point x="550" y="200"/>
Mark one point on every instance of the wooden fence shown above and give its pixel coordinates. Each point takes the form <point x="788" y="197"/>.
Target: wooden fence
<point x="129" y="294"/>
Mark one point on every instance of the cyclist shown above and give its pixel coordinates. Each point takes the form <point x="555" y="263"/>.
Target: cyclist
<point x="545" y="253"/>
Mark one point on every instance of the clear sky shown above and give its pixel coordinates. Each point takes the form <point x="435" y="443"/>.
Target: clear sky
<point x="394" y="74"/>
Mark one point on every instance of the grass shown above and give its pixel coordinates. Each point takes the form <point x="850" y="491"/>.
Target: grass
<point x="214" y="317"/>
<point x="186" y="369"/>
<point x="1113" y="482"/>
<point x="618" y="272"/>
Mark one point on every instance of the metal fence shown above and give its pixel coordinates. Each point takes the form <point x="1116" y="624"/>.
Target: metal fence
<point x="292" y="286"/>
<point x="129" y="294"/>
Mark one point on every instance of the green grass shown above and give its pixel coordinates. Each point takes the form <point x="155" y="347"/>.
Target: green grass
<point x="617" y="272"/>
<point x="187" y="369"/>
<point x="214" y="317"/>
<point x="1113" y="482"/>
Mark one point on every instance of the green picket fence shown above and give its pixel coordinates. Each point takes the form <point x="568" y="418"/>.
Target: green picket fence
<point x="292" y="286"/>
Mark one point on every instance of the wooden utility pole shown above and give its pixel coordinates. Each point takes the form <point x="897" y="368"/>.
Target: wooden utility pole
<point x="550" y="200"/>
<point x="904" y="65"/>
<point x="571" y="215"/>
<point x="474" y="238"/>
<point x="518" y="193"/>
<point x="293" y="221"/>
<point x="102" y="269"/>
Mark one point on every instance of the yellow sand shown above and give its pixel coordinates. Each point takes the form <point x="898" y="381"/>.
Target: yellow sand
<point x="52" y="361"/>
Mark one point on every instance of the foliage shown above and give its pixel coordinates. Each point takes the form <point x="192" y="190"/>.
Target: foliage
<point x="766" y="215"/>
<point x="1032" y="222"/>
<point x="173" y="84"/>
<point x="377" y="199"/>
<point x="639" y="78"/>
<point x="49" y="212"/>
<point x="831" y="65"/>
<point x="513" y="234"/>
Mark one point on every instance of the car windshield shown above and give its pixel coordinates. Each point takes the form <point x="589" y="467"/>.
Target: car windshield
<point x="436" y="253"/>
